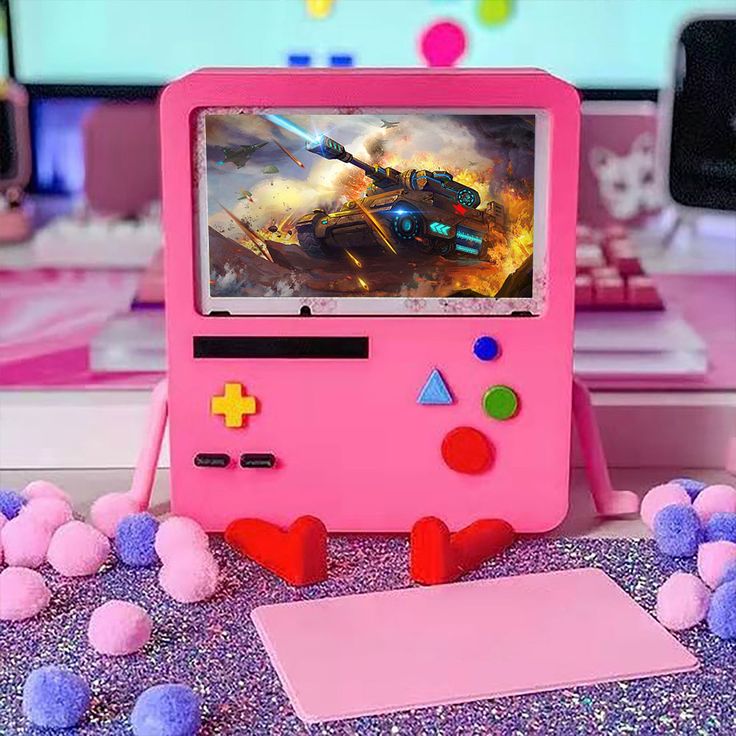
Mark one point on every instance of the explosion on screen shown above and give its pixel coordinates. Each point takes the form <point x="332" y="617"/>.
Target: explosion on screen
<point x="412" y="206"/>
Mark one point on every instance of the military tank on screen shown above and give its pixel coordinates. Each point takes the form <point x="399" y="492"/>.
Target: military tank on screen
<point x="426" y="210"/>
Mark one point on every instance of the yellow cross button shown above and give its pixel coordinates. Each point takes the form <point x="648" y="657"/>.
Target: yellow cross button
<point x="233" y="405"/>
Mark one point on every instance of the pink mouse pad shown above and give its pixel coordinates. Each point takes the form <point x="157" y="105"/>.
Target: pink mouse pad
<point x="402" y="649"/>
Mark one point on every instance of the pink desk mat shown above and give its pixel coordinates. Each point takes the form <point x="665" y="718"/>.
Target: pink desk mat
<point x="416" y="647"/>
<point x="708" y="304"/>
<point x="48" y="318"/>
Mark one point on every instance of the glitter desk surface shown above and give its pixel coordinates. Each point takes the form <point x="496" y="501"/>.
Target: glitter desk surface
<point x="214" y="648"/>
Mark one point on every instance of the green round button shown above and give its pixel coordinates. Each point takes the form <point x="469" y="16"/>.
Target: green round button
<point x="500" y="402"/>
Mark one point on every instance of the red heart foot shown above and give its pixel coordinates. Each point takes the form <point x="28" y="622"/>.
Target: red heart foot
<point x="440" y="557"/>
<point x="297" y="555"/>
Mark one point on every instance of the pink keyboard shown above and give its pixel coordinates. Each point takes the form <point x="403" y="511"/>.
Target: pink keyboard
<point x="609" y="275"/>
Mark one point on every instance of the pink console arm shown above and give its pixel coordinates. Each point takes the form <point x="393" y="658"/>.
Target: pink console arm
<point x="607" y="501"/>
<point x="145" y="469"/>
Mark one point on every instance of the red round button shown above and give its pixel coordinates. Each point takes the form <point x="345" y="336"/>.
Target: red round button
<point x="467" y="450"/>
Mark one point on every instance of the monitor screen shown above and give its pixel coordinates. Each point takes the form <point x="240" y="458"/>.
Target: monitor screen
<point x="374" y="212"/>
<point x="58" y="144"/>
<point x="702" y="169"/>
<point x="591" y="43"/>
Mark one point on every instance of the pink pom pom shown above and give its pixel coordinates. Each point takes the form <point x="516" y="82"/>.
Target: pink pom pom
<point x="714" y="559"/>
<point x="107" y="511"/>
<point x="25" y="542"/>
<point x="44" y="489"/>
<point x="23" y="594"/>
<point x="179" y="533"/>
<point x="49" y="511"/>
<point x="714" y="499"/>
<point x="191" y="576"/>
<point x="119" y="627"/>
<point x="682" y="602"/>
<point x="659" y="497"/>
<point x="78" y="549"/>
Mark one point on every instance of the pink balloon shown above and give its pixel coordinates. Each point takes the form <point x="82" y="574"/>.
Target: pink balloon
<point x="443" y="43"/>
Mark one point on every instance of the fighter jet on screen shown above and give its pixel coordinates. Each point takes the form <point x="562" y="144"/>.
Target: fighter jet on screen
<point x="240" y="155"/>
<point x="389" y="123"/>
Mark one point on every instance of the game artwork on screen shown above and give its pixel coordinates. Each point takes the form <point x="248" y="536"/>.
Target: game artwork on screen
<point x="369" y="205"/>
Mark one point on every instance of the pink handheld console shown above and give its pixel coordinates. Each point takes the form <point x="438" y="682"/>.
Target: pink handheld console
<point x="369" y="295"/>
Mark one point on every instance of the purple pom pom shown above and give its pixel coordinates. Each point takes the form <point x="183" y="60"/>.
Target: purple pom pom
<point x="722" y="612"/>
<point x="730" y="575"/>
<point x="134" y="540"/>
<point x="10" y="504"/>
<point x="166" y="710"/>
<point x="721" y="527"/>
<point x="55" y="698"/>
<point x="692" y="486"/>
<point x="678" y="531"/>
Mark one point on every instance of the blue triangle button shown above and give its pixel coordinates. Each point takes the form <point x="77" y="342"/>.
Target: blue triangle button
<point x="435" y="391"/>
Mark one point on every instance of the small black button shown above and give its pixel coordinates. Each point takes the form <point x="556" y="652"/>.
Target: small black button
<point x="212" y="460"/>
<point x="257" y="460"/>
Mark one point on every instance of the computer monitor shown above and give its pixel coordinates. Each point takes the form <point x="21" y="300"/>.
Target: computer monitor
<point x="702" y="134"/>
<point x="592" y="43"/>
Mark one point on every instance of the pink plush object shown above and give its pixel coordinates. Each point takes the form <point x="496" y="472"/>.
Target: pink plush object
<point x="191" y="576"/>
<point x="25" y="542"/>
<point x="44" y="489"/>
<point x="659" y="497"/>
<point x="107" y="511"/>
<point x="682" y="602"/>
<point x="713" y="499"/>
<point x="714" y="559"/>
<point x="23" y="594"/>
<point x="119" y="627"/>
<point x="177" y="534"/>
<point x="78" y="549"/>
<point x="50" y="511"/>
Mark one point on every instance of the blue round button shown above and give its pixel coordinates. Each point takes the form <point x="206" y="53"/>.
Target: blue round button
<point x="486" y="348"/>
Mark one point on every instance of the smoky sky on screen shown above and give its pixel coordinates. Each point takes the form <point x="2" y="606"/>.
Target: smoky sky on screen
<point x="370" y="205"/>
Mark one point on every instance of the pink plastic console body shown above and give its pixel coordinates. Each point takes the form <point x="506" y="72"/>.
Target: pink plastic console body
<point x="352" y="445"/>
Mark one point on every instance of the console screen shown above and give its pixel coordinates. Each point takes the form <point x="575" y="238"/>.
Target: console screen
<point x="403" y="212"/>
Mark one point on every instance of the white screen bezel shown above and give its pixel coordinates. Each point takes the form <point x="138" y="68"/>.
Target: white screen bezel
<point x="373" y="305"/>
